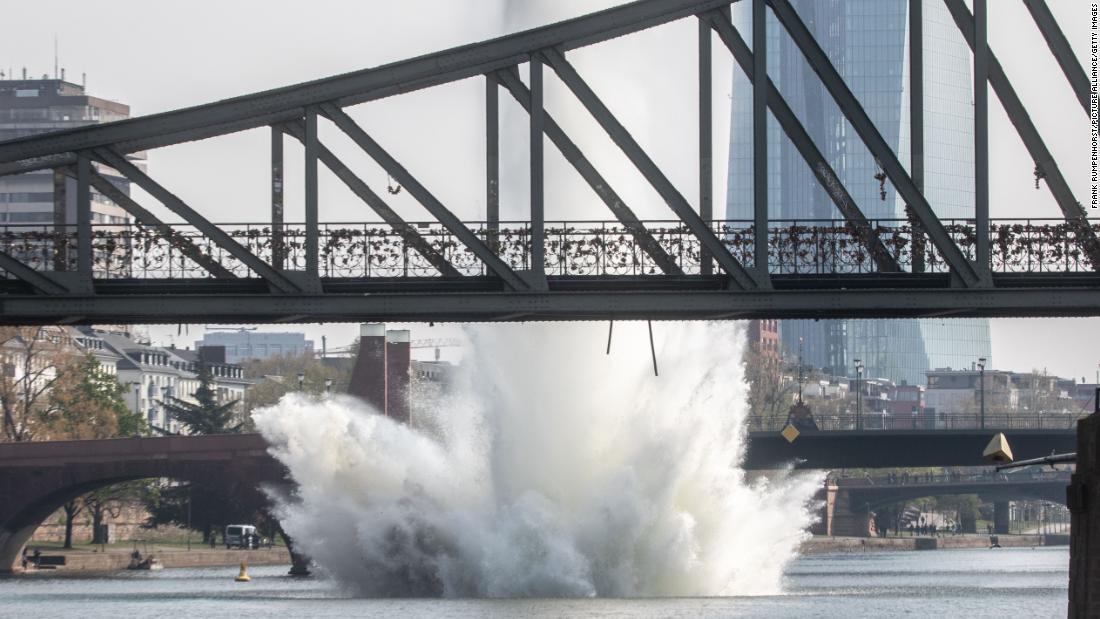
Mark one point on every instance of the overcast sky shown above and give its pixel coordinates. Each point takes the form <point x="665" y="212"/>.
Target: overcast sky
<point x="158" y="56"/>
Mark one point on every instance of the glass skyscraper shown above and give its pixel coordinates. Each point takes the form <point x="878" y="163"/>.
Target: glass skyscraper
<point x="867" y="41"/>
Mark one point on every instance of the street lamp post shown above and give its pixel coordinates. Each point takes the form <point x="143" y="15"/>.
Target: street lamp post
<point x="137" y="398"/>
<point x="800" y="370"/>
<point x="859" y="395"/>
<point x="189" y="515"/>
<point x="981" y="391"/>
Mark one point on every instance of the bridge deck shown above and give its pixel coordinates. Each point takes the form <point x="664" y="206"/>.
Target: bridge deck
<point x="896" y="448"/>
<point x="812" y="450"/>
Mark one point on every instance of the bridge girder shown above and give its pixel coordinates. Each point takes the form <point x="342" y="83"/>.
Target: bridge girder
<point x="969" y="287"/>
<point x="483" y="301"/>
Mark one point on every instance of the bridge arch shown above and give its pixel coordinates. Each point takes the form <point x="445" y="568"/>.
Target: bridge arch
<point x="1053" y="491"/>
<point x="36" y="479"/>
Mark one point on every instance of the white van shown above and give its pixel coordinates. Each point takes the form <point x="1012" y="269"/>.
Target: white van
<point x="241" y="536"/>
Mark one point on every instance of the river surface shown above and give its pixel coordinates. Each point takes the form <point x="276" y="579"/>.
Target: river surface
<point x="946" y="583"/>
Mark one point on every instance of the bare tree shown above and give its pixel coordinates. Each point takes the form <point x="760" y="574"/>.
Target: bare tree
<point x="32" y="360"/>
<point x="110" y="501"/>
<point x="770" y="390"/>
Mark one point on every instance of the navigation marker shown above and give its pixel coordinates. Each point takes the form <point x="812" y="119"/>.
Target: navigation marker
<point x="790" y="433"/>
<point x="998" y="450"/>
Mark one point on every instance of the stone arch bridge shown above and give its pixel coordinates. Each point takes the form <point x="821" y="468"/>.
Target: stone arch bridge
<point x="36" y="479"/>
<point x="851" y="502"/>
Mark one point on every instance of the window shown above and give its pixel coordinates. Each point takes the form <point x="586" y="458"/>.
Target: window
<point x="26" y="196"/>
<point x="30" y="217"/>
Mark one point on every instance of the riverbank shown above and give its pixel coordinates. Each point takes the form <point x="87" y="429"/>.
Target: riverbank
<point x="119" y="557"/>
<point x="822" y="544"/>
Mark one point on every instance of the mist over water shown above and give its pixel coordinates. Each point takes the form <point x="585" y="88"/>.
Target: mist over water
<point x="548" y="469"/>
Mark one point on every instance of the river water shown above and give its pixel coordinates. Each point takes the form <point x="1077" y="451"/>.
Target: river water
<point x="948" y="583"/>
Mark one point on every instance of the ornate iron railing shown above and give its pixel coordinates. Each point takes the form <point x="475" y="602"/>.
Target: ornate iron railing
<point x="987" y="476"/>
<point x="590" y="248"/>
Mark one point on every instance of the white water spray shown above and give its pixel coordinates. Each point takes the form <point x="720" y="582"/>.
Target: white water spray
<point x="548" y="470"/>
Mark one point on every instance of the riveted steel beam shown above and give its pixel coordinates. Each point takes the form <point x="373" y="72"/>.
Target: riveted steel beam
<point x="806" y="147"/>
<point x="706" y="136"/>
<point x="1044" y="161"/>
<point x="40" y="281"/>
<point x="274" y="278"/>
<point x="963" y="268"/>
<point x="83" y="220"/>
<point x="1063" y="53"/>
<point x="981" y="137"/>
<point x="739" y="275"/>
<point x="452" y="223"/>
<point x="186" y="246"/>
<point x="278" y="243"/>
<point x="60" y="218"/>
<point x="509" y="78"/>
<point x="887" y="302"/>
<point x="492" y="154"/>
<point x="916" y="124"/>
<point x="760" y="134"/>
<point x="312" y="245"/>
<point x="360" y="188"/>
<point x="536" y="113"/>
<point x="285" y="104"/>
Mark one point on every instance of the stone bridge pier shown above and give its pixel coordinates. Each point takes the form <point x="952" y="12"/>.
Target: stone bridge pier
<point x="38" y="478"/>
<point x="1083" y="497"/>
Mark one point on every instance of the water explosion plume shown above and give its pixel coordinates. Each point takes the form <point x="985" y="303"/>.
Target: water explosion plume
<point x="548" y="469"/>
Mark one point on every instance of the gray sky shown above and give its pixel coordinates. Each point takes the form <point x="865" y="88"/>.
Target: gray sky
<point x="157" y="56"/>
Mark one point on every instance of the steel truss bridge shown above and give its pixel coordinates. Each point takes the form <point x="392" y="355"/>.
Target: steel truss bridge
<point x="689" y="266"/>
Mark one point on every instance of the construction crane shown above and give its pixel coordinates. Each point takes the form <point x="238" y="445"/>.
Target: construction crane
<point x="437" y="343"/>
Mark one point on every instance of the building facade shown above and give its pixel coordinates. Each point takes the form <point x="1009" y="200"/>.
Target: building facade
<point x="1005" y="393"/>
<point x="153" y="374"/>
<point x="763" y="337"/>
<point x="867" y="41"/>
<point x="32" y="106"/>
<point x="242" y="345"/>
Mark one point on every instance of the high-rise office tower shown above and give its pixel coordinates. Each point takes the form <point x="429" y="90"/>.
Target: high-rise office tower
<point x="867" y="41"/>
<point x="31" y="106"/>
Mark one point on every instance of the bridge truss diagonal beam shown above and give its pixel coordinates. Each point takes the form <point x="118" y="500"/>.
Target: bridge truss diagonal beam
<point x="287" y="103"/>
<point x="273" y="277"/>
<point x="739" y="275"/>
<point x="510" y="80"/>
<point x="969" y="273"/>
<point x="360" y="188"/>
<point x="798" y="136"/>
<point x="1063" y="53"/>
<point x="148" y="219"/>
<point x="1044" y="160"/>
<point x="493" y="262"/>
<point x="39" y="281"/>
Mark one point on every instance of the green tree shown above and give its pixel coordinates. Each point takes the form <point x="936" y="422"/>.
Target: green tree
<point x="86" y="403"/>
<point x="277" y="376"/>
<point x="205" y="506"/>
<point x="202" y="506"/>
<point x="206" y="415"/>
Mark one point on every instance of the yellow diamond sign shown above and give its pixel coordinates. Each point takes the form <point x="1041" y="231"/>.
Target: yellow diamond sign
<point x="790" y="433"/>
